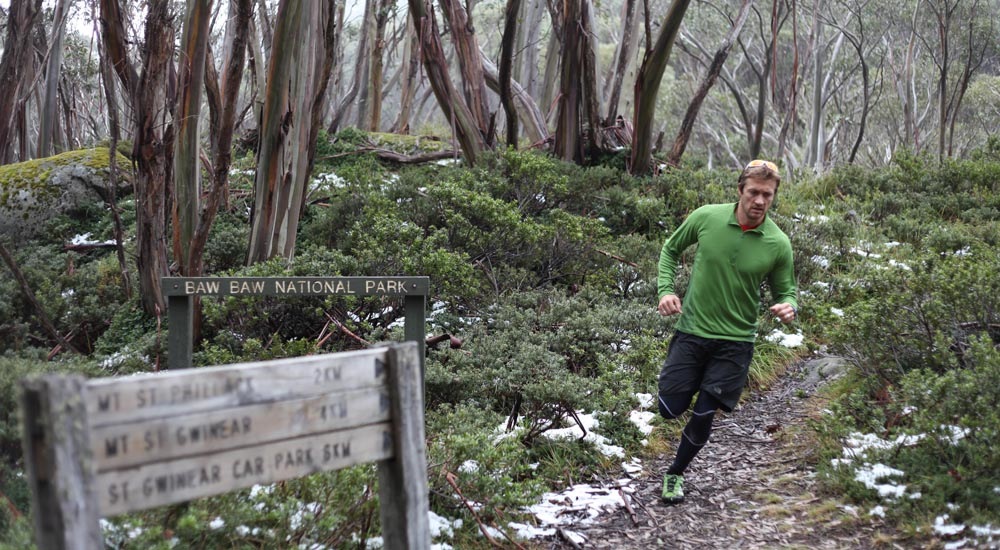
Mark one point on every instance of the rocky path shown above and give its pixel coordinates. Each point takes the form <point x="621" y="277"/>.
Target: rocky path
<point x="751" y="487"/>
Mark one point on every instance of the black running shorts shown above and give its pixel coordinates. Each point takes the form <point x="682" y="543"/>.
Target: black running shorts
<point x="719" y="367"/>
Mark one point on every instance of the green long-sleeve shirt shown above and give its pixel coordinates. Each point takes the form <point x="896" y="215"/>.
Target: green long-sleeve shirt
<point x="723" y="296"/>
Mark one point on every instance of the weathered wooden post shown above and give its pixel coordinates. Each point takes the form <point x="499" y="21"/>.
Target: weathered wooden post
<point x="59" y="464"/>
<point x="403" y="478"/>
<point x="180" y="334"/>
<point x="108" y="446"/>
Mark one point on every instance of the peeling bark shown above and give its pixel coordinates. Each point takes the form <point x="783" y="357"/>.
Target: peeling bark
<point x="691" y="115"/>
<point x="467" y="132"/>
<point x="647" y="86"/>
<point x="16" y="55"/>
<point x="506" y="66"/>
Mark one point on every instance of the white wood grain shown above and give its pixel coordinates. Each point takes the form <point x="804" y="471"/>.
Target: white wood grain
<point x="177" y="392"/>
<point x="157" y="484"/>
<point x="57" y="463"/>
<point x="115" y="446"/>
<point x="403" y="490"/>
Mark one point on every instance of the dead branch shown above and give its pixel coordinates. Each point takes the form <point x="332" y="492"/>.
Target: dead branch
<point x="323" y="336"/>
<point x="43" y="317"/>
<point x="392" y="156"/>
<point x="87" y="247"/>
<point x="14" y="512"/>
<point x="628" y="506"/>
<point x="347" y="331"/>
<point x="578" y="423"/>
<point x="619" y="258"/>
<point x="58" y="347"/>
<point x="450" y="477"/>
<point x="453" y="342"/>
<point x="565" y="536"/>
<point x="514" y="413"/>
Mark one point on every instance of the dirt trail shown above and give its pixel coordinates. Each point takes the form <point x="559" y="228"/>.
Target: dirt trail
<point x="751" y="487"/>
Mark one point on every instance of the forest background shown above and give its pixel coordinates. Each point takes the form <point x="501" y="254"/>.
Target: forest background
<point x="529" y="157"/>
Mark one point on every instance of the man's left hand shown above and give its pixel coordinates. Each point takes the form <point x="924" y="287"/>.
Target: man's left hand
<point x="784" y="312"/>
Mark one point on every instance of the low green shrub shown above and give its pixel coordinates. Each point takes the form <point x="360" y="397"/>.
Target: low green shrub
<point x="683" y="190"/>
<point x="922" y="316"/>
<point x="531" y="180"/>
<point x="333" y="510"/>
<point x="79" y="293"/>
<point x="226" y="248"/>
<point x="917" y="321"/>
<point x="132" y="341"/>
<point x="247" y="327"/>
<point x="956" y="461"/>
<point x="495" y="473"/>
<point x="543" y="356"/>
<point x="944" y="426"/>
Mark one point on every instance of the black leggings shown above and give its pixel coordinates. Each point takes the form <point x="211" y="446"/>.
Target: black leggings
<point x="698" y="429"/>
<point x="674" y="405"/>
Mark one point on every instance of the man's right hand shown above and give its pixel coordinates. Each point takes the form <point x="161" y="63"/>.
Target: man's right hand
<point x="670" y="304"/>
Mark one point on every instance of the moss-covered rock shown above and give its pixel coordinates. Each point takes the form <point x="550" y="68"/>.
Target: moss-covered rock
<point x="36" y="191"/>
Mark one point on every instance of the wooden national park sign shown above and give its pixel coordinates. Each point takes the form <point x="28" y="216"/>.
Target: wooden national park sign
<point x="181" y="291"/>
<point x="108" y="446"/>
<point x="294" y="286"/>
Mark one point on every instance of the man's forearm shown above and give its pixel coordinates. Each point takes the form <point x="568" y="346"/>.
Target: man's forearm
<point x="665" y="273"/>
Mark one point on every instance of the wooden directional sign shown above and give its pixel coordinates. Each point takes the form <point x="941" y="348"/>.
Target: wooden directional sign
<point x="174" y="393"/>
<point x="136" y="443"/>
<point x="158" y="483"/>
<point x="124" y="444"/>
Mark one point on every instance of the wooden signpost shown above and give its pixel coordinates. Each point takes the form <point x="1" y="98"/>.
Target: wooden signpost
<point x="103" y="447"/>
<point x="180" y="293"/>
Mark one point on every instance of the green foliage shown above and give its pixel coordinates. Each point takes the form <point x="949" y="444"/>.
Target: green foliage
<point x="462" y="440"/>
<point x="917" y="187"/>
<point x="918" y="321"/>
<point x="227" y="242"/>
<point x="239" y="328"/>
<point x="533" y="181"/>
<point x="952" y="422"/>
<point x="546" y="272"/>
<point x="332" y="509"/>
<point x="956" y="410"/>
<point x="545" y="356"/>
<point x="989" y="152"/>
<point x="923" y="317"/>
<point x="685" y="190"/>
<point x="768" y="363"/>
<point x="386" y="245"/>
<point x="15" y="534"/>
<point x="229" y="347"/>
<point x="130" y="342"/>
<point x="12" y="482"/>
<point x="79" y="293"/>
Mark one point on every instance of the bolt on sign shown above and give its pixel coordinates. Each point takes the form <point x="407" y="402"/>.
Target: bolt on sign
<point x="180" y="292"/>
<point x="102" y="447"/>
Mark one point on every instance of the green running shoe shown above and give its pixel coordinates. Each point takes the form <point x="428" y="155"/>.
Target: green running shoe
<point x="673" y="489"/>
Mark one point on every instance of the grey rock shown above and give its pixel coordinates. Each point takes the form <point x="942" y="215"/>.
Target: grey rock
<point x="37" y="191"/>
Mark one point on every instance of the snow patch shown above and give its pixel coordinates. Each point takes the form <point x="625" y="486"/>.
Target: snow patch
<point x="786" y="340"/>
<point x="821" y="261"/>
<point x="579" y="505"/>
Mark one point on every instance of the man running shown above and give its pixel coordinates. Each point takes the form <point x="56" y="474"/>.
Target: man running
<point x="739" y="247"/>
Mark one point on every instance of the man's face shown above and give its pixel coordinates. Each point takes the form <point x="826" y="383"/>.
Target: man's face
<point x="755" y="199"/>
